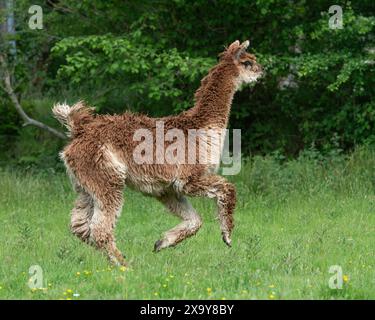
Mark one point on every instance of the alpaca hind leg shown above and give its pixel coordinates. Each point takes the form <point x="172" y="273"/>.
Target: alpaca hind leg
<point x="101" y="173"/>
<point x="81" y="215"/>
<point x="106" y="210"/>
<point x="181" y="207"/>
<point x="217" y="187"/>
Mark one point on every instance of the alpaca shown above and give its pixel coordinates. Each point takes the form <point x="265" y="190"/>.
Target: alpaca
<point x="99" y="160"/>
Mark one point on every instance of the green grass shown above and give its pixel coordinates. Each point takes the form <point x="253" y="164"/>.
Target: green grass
<point x="293" y="221"/>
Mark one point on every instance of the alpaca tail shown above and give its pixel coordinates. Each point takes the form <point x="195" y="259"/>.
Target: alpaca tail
<point x="74" y="118"/>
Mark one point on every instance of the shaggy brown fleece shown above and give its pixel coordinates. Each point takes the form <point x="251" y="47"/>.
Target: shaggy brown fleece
<point x="100" y="160"/>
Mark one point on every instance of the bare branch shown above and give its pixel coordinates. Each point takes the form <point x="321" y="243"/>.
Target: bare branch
<point x="27" y="120"/>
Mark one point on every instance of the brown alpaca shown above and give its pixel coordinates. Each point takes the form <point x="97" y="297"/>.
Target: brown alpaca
<point x="100" y="159"/>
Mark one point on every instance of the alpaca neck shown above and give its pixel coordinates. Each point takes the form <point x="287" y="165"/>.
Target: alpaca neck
<point x="214" y="98"/>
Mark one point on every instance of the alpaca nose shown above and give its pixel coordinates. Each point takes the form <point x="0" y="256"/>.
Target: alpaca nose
<point x="258" y="68"/>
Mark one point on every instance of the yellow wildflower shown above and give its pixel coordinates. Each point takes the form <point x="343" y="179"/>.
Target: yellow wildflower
<point x="209" y="290"/>
<point x="345" y="278"/>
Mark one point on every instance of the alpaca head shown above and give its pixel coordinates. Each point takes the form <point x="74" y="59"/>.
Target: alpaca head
<point x="248" y="70"/>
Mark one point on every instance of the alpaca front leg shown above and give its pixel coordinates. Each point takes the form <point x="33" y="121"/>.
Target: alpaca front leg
<point x="216" y="187"/>
<point x="179" y="206"/>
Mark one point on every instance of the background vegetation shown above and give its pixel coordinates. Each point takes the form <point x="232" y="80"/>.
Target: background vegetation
<point x="149" y="56"/>
<point x="306" y="188"/>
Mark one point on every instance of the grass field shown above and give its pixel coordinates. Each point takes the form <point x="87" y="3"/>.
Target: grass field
<point x="294" y="220"/>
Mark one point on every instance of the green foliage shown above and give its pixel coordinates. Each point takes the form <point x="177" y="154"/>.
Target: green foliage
<point x="149" y="57"/>
<point x="28" y="146"/>
<point x="9" y="125"/>
<point x="309" y="174"/>
<point x="142" y="68"/>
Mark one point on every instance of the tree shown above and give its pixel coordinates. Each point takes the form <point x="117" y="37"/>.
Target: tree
<point x="150" y="56"/>
<point x="7" y="86"/>
<point x="8" y="44"/>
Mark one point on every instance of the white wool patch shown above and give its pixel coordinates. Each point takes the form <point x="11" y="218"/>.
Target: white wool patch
<point x="246" y="77"/>
<point x="61" y="111"/>
<point x="115" y="162"/>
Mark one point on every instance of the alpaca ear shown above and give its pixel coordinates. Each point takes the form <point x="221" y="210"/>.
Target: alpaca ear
<point x="232" y="49"/>
<point x="242" y="48"/>
<point x="234" y="46"/>
<point x="245" y="44"/>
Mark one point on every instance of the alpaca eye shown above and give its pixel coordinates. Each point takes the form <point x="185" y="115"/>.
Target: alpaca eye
<point x="247" y="63"/>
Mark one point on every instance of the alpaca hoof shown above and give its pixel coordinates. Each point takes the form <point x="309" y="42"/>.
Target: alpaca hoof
<point x="227" y="240"/>
<point x="158" y="245"/>
<point x="118" y="262"/>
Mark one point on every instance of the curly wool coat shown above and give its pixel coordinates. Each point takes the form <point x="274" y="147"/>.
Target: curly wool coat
<point x="100" y="159"/>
